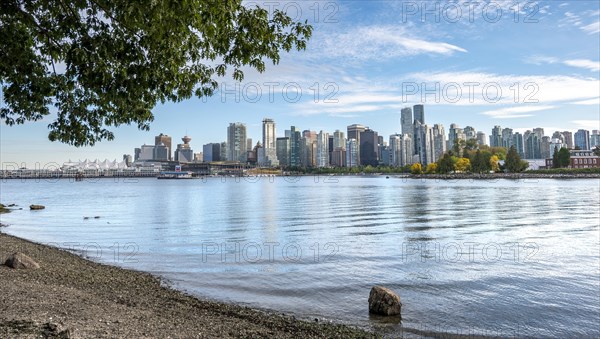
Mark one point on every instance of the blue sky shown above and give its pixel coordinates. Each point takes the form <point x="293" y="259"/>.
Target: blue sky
<point x="368" y="59"/>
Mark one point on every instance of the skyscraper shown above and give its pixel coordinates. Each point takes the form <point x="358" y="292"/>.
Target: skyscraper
<point x="295" y="147"/>
<point x="269" y="143"/>
<point x="439" y="141"/>
<point x="569" y="139"/>
<point x="496" y="137"/>
<point x="165" y="140"/>
<point x="594" y="139"/>
<point x="424" y="143"/>
<point x="237" y="142"/>
<point x="351" y="153"/>
<point x="419" y="111"/>
<point x="519" y="144"/>
<point x="283" y="151"/>
<point x="582" y="139"/>
<point x="354" y="132"/>
<point x="184" y="152"/>
<point x="507" y="137"/>
<point x="406" y="121"/>
<point x="369" y="148"/>
<point x="481" y="139"/>
<point x="322" y="150"/>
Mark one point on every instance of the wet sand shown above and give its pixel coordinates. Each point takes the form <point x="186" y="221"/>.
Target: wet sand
<point x="70" y="297"/>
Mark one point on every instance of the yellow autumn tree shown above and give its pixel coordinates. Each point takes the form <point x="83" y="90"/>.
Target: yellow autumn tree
<point x="416" y="168"/>
<point x="462" y="165"/>
<point x="495" y="166"/>
<point x="431" y="168"/>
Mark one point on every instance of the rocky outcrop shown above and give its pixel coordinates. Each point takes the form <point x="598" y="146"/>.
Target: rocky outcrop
<point x="384" y="301"/>
<point x="21" y="261"/>
<point x="37" y="207"/>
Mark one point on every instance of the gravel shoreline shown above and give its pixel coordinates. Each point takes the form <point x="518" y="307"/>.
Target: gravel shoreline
<point x="70" y="297"/>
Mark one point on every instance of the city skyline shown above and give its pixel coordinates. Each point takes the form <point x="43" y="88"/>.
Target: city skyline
<point x="364" y="61"/>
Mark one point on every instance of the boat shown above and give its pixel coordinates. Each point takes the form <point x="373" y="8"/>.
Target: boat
<point x="175" y="175"/>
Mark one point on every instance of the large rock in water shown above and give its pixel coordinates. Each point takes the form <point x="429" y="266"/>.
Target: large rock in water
<point x="384" y="301"/>
<point x="20" y="260"/>
<point x="37" y="207"/>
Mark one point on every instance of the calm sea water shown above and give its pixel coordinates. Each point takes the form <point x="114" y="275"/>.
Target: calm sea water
<point x="497" y="258"/>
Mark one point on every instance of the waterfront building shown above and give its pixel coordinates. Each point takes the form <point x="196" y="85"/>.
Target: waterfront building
<point x="212" y="152"/>
<point x="283" y="151"/>
<point x="424" y="143"/>
<point x="455" y="133"/>
<point x="128" y="159"/>
<point x="184" y="152"/>
<point x="323" y="149"/>
<point x="351" y="152"/>
<point x="507" y="137"/>
<point x="223" y="151"/>
<point x="295" y="147"/>
<point x="439" y="141"/>
<point x="482" y="140"/>
<point x="519" y="144"/>
<point x="406" y="121"/>
<point x="354" y="132"/>
<point x="419" y="112"/>
<point x="568" y="139"/>
<point x="532" y="146"/>
<point x="269" y="144"/>
<point x="165" y="140"/>
<point x="594" y="139"/>
<point x="545" y="147"/>
<point x="470" y="133"/>
<point x="580" y="159"/>
<point x="368" y="148"/>
<point x="161" y="152"/>
<point x="582" y="139"/>
<point x="237" y="142"/>
<point x="556" y="143"/>
<point x="496" y="137"/>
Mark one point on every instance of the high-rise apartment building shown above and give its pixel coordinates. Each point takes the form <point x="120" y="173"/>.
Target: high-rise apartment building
<point x="368" y="148"/>
<point x="269" y="143"/>
<point x="351" y="153"/>
<point x="237" y="142"/>
<point x="582" y="139"/>
<point x="322" y="150"/>
<point x="406" y="120"/>
<point x="569" y="139"/>
<point x="419" y="112"/>
<point x="295" y="147"/>
<point x="165" y="140"/>
<point x="496" y="137"/>
<point x="283" y="151"/>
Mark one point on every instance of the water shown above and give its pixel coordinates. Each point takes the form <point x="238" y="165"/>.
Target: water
<point x="494" y="258"/>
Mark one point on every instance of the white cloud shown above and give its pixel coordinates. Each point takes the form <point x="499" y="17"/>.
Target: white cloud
<point x="582" y="63"/>
<point x="587" y="124"/>
<point x="595" y="101"/>
<point x="380" y="42"/>
<point x="546" y="90"/>
<point x="592" y="28"/>
<point x="515" y="112"/>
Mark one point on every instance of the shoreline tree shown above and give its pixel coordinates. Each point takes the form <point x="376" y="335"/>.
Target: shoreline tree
<point x="104" y="63"/>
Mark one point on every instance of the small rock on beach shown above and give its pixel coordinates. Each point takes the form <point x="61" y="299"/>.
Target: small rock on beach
<point x="384" y="301"/>
<point x="21" y="261"/>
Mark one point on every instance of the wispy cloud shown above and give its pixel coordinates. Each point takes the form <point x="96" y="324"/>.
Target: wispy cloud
<point x="595" y="101"/>
<point x="515" y="112"/>
<point x="381" y="42"/>
<point x="592" y="28"/>
<point x="587" y="124"/>
<point x="580" y="63"/>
